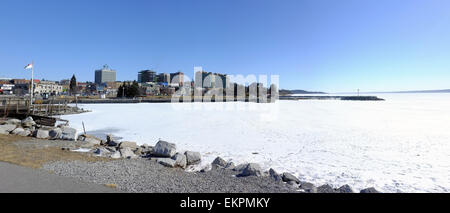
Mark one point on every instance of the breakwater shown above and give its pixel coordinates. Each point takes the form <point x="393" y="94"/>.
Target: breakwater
<point x="343" y="98"/>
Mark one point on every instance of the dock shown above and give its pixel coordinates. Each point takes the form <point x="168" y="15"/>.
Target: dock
<point x="42" y="112"/>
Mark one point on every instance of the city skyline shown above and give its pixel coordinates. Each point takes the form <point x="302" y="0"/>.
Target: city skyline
<point x="318" y="46"/>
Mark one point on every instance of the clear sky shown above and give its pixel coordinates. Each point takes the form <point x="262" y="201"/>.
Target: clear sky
<point x="320" y="45"/>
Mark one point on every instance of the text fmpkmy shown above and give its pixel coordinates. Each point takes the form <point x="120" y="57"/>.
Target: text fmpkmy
<point x="226" y="203"/>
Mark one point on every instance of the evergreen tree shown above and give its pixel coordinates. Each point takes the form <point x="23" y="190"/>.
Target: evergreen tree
<point x="73" y="85"/>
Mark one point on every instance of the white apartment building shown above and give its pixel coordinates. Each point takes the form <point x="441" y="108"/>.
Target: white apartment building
<point x="49" y="87"/>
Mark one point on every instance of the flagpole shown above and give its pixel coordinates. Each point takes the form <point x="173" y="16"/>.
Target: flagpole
<point x="32" y="83"/>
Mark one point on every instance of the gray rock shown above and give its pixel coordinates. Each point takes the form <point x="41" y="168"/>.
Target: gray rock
<point x="344" y="189"/>
<point x="55" y="134"/>
<point x="164" y="149"/>
<point x="17" y="131"/>
<point x="90" y="139"/>
<point x="369" y="190"/>
<point x="116" y="155"/>
<point x="274" y="175"/>
<point x="28" y="122"/>
<point x="167" y="162"/>
<point x="325" y="189"/>
<point x="69" y="133"/>
<point x="4" y="132"/>
<point x="252" y="169"/>
<point x="192" y="157"/>
<point x="25" y="133"/>
<point x="14" y="121"/>
<point x="129" y="144"/>
<point x="111" y="149"/>
<point x="7" y="127"/>
<point x="308" y="187"/>
<point x="230" y="165"/>
<point x="240" y="167"/>
<point x="126" y="152"/>
<point x="41" y="134"/>
<point x="292" y="183"/>
<point x="112" y="143"/>
<point x="289" y="177"/>
<point x="219" y="163"/>
<point x="102" y="151"/>
<point x="109" y="138"/>
<point x="138" y="151"/>
<point x="180" y="160"/>
<point x="146" y="149"/>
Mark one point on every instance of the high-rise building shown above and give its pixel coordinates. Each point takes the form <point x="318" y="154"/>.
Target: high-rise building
<point x="163" y="78"/>
<point x="145" y="76"/>
<point x="211" y="80"/>
<point x="177" y="78"/>
<point x="105" y="75"/>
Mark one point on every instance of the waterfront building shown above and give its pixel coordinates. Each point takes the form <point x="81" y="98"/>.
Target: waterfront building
<point x="48" y="87"/>
<point x="211" y="80"/>
<point x="6" y="89"/>
<point x="146" y="76"/>
<point x="151" y="89"/>
<point x="163" y="78"/>
<point x="177" y="78"/>
<point x="105" y="75"/>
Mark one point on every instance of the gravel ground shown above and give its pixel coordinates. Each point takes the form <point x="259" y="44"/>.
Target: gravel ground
<point x="143" y="175"/>
<point x="137" y="175"/>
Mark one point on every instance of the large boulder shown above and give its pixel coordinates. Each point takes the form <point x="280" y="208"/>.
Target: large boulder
<point x="345" y="189"/>
<point x="128" y="144"/>
<point x="116" y="155"/>
<point x="3" y="132"/>
<point x="167" y="162"/>
<point x="146" y="149"/>
<point x="289" y="177"/>
<point x="28" y="122"/>
<point x="7" y="128"/>
<point x="308" y="187"/>
<point x="101" y="151"/>
<point x="126" y="152"/>
<point x="369" y="190"/>
<point x="17" y="131"/>
<point x="325" y="189"/>
<point x="164" y="149"/>
<point x="68" y="133"/>
<point x="41" y="134"/>
<point x="274" y="175"/>
<point x="218" y="163"/>
<point x="192" y="157"/>
<point x="240" y="167"/>
<point x="230" y="166"/>
<point x="14" y="121"/>
<point x="180" y="160"/>
<point x="252" y="169"/>
<point x="89" y="139"/>
<point x="109" y="138"/>
<point x="25" y="133"/>
<point x="55" y="134"/>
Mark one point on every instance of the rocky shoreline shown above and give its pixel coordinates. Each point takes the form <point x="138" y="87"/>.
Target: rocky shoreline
<point x="158" y="168"/>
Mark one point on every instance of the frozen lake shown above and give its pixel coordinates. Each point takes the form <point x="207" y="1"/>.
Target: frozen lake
<point x="402" y="143"/>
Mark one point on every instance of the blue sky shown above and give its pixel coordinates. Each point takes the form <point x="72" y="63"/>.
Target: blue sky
<point x="321" y="45"/>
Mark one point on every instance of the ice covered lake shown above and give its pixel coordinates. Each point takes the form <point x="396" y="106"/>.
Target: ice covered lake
<point x="401" y="144"/>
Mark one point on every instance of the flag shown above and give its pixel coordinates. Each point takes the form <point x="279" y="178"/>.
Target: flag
<point x="29" y="66"/>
